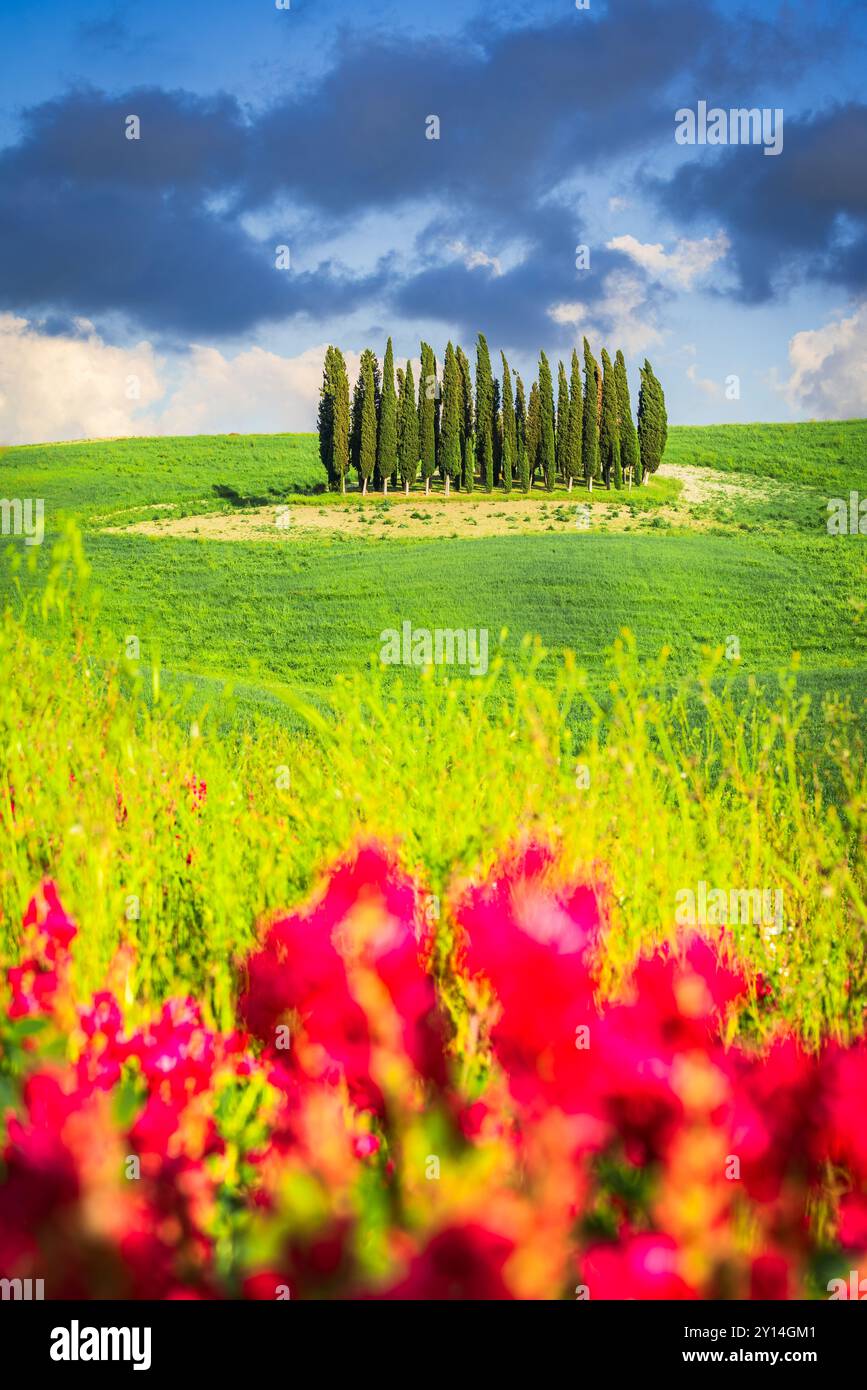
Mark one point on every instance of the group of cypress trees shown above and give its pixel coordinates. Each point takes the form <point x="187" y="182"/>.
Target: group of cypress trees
<point x="496" y="435"/>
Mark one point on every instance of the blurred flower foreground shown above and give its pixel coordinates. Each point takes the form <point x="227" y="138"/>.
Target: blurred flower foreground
<point x="417" y="1106"/>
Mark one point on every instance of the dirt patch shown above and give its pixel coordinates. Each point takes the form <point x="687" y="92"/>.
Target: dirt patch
<point x="464" y="518"/>
<point x="460" y="516"/>
<point x="707" y="485"/>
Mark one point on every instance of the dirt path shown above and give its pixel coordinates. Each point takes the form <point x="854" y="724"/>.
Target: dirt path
<point x="709" y="485"/>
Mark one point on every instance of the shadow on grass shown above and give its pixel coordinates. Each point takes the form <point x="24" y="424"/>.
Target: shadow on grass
<point x="230" y="494"/>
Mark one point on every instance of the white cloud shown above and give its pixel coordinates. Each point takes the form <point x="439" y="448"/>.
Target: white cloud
<point x="686" y="263"/>
<point x="255" y="390"/>
<point x="473" y="258"/>
<point x="704" y="384"/>
<point x="615" y="316"/>
<point x="78" y="387"/>
<point x="829" y="368"/>
<point x="73" y="387"/>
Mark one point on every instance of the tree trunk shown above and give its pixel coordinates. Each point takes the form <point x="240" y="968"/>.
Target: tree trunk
<point x="427" y="487"/>
<point x="343" y="483"/>
<point x="364" y="488"/>
<point x="448" y="480"/>
<point x="590" y="484"/>
<point x="385" y="487"/>
<point x="569" y="489"/>
<point x="406" y="488"/>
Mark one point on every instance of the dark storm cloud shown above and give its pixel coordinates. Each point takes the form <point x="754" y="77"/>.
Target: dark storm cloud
<point x="513" y="304"/>
<point x="163" y="261"/>
<point x="110" y="34"/>
<point x="91" y="222"/>
<point x="79" y="141"/>
<point x="515" y="117"/>
<point x="803" y="212"/>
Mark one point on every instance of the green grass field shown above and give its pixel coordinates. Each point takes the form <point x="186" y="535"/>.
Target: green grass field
<point x="823" y="454"/>
<point x="92" y="479"/>
<point x="298" y="615"/>
<point x="97" y="767"/>
<point x="755" y="564"/>
<point x="259" y="653"/>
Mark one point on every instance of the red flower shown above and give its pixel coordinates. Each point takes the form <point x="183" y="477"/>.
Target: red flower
<point x="38" y="979"/>
<point x="461" y="1263"/>
<point x="841" y="1108"/>
<point x="853" y="1220"/>
<point x="772" y="1116"/>
<point x="769" y="1278"/>
<point x="300" y="971"/>
<point x="532" y="943"/>
<point x="641" y="1266"/>
<point x="45" y="913"/>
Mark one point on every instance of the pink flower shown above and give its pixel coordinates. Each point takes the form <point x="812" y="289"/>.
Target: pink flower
<point x="45" y="913"/>
<point x="365" y="1145"/>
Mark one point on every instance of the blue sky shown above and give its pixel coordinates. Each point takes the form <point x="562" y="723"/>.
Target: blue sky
<point x="154" y="260"/>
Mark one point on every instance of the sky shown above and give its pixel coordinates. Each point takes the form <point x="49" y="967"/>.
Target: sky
<point x="141" y="286"/>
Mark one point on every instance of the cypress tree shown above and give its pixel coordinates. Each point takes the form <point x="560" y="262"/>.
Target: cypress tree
<point x="467" y="450"/>
<point x="367" y="417"/>
<point x="386" y="443"/>
<point x="407" y="431"/>
<point x="484" y="412"/>
<point x="598" y="394"/>
<point x="459" y="390"/>
<point x="534" y="432"/>
<point x="355" y="420"/>
<point x="437" y="405"/>
<point x="488" y="461"/>
<point x="497" y="432"/>
<point x="325" y="417"/>
<point x="333" y="419"/>
<point x="629" y="456"/>
<point x="450" y="437"/>
<point x="368" y="360"/>
<point x="341" y="420"/>
<point x="652" y="422"/>
<point x="509" y="427"/>
<point x="367" y="431"/>
<point x="573" y="441"/>
<point x="564" y="415"/>
<point x="609" y="432"/>
<point x="521" y="436"/>
<point x="589" y="425"/>
<point x="399" y="390"/>
<point x="546" y="426"/>
<point x="427" y="390"/>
